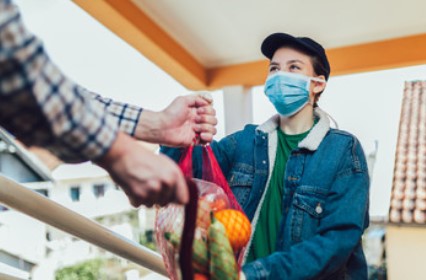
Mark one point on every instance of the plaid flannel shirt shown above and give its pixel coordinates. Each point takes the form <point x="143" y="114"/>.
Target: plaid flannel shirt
<point x="40" y="106"/>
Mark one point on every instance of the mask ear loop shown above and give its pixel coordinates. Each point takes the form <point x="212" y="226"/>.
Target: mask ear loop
<point x="310" y="79"/>
<point x="333" y="120"/>
<point x="336" y="125"/>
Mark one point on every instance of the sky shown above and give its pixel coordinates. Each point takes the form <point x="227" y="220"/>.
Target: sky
<point x="367" y="105"/>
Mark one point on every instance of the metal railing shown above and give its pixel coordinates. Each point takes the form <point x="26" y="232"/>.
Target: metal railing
<point x="18" y="197"/>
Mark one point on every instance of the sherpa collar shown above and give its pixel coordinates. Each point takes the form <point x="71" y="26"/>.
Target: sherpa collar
<point x="315" y="136"/>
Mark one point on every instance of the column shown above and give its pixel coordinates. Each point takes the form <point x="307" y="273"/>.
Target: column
<point x="238" y="107"/>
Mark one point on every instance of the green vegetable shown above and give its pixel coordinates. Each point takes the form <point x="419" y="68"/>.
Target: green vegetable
<point x="222" y="260"/>
<point x="200" y="256"/>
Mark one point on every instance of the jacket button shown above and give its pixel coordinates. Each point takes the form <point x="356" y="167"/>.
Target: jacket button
<point x="318" y="209"/>
<point x="264" y="161"/>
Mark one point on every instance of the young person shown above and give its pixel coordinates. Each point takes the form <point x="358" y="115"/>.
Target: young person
<point x="303" y="184"/>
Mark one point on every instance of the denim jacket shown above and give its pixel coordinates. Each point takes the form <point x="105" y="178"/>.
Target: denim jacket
<point x="325" y="201"/>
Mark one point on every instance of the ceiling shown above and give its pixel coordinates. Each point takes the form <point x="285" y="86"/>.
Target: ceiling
<point x="213" y="44"/>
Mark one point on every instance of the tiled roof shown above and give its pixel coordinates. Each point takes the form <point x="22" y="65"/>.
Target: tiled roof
<point x="408" y="199"/>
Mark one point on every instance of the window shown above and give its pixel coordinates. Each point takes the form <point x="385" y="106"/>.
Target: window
<point x="99" y="190"/>
<point x="43" y="192"/>
<point x="75" y="193"/>
<point x="3" y="208"/>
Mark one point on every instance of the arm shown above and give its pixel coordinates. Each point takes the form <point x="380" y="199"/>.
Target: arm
<point x="177" y="125"/>
<point x="127" y="116"/>
<point x="337" y="236"/>
<point x="41" y="106"/>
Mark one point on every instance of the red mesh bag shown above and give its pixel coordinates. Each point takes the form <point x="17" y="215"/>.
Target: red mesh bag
<point x="182" y="232"/>
<point x="213" y="173"/>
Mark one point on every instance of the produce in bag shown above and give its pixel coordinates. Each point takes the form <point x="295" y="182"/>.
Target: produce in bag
<point x="237" y="227"/>
<point x="222" y="260"/>
<point x="169" y="226"/>
<point x="200" y="257"/>
<point x="209" y="254"/>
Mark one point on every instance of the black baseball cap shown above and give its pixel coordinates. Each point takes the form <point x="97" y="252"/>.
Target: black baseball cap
<point x="278" y="40"/>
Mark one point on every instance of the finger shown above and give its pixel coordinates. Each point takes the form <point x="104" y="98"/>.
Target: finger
<point x="133" y="197"/>
<point x="166" y="192"/>
<point x="212" y="120"/>
<point x="207" y="96"/>
<point x="167" y="196"/>
<point x="134" y="201"/>
<point x="137" y="195"/>
<point x="206" y="110"/>
<point x="153" y="187"/>
<point x="160" y="193"/>
<point x="171" y="179"/>
<point x="206" y="138"/>
<point x="204" y="128"/>
<point x="194" y="101"/>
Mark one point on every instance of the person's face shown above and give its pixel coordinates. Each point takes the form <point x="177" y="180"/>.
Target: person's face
<point x="287" y="59"/>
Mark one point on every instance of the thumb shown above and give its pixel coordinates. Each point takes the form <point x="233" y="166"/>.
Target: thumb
<point x="181" y="191"/>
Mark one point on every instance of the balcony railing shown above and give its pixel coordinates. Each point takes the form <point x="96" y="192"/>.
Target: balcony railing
<point x="43" y="209"/>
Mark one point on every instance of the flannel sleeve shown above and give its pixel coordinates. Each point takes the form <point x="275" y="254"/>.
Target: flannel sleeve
<point x="41" y="106"/>
<point x="126" y="115"/>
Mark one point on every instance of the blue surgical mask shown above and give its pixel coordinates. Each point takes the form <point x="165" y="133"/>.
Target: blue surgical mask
<point x="288" y="92"/>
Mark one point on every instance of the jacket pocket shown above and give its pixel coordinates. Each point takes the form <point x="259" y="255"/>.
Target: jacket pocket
<point x="241" y="182"/>
<point x="308" y="209"/>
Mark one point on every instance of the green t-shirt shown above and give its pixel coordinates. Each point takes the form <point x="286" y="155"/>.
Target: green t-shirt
<point x="267" y="227"/>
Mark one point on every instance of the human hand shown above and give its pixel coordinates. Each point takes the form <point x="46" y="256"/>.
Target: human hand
<point x="180" y="123"/>
<point x="145" y="177"/>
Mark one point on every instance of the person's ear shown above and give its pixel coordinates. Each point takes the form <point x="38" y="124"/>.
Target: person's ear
<point x="319" y="86"/>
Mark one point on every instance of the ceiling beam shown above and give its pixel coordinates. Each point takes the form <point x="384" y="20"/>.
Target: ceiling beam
<point x="132" y="25"/>
<point x="381" y="55"/>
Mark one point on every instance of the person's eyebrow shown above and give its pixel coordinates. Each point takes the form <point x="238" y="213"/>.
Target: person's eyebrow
<point x="274" y="63"/>
<point x="295" y="61"/>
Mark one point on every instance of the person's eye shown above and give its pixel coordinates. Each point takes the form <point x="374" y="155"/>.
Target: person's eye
<point x="273" y="69"/>
<point x="294" y="67"/>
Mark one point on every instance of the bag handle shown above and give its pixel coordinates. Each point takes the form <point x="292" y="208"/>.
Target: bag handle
<point x="211" y="171"/>
<point x="185" y="253"/>
<point x="185" y="162"/>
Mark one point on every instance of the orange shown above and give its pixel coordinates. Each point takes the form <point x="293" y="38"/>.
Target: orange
<point x="199" y="276"/>
<point x="237" y="225"/>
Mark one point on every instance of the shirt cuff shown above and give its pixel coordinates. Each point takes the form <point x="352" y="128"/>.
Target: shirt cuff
<point x="255" y="270"/>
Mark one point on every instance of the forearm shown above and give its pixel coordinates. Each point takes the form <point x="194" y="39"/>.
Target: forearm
<point x="129" y="118"/>
<point x="139" y="123"/>
<point x="150" y="127"/>
<point x="39" y="105"/>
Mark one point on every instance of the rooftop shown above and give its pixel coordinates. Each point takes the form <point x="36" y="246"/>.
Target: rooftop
<point x="408" y="199"/>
